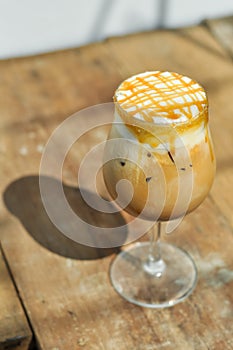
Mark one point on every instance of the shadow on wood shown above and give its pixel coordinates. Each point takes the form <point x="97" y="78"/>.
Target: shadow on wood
<point x="201" y="43"/>
<point x="23" y="199"/>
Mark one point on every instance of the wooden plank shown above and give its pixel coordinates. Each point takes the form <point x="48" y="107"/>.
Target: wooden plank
<point x="55" y="85"/>
<point x="76" y="306"/>
<point x="222" y="29"/>
<point x="64" y="286"/>
<point x="14" y="330"/>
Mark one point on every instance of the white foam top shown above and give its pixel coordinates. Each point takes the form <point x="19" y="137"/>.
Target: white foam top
<point x="161" y="97"/>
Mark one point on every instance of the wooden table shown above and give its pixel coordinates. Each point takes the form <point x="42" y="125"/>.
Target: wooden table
<point x="56" y="295"/>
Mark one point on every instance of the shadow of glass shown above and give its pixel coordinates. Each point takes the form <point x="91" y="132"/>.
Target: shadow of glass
<point x="22" y="198"/>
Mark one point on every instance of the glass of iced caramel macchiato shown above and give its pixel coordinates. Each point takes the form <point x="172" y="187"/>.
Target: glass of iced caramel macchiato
<point x="160" y="147"/>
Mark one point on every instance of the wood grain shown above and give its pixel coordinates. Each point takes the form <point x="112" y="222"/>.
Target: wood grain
<point x="222" y="29"/>
<point x="65" y="287"/>
<point x="14" y="330"/>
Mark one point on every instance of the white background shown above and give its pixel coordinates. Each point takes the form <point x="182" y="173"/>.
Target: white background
<point x="34" y="26"/>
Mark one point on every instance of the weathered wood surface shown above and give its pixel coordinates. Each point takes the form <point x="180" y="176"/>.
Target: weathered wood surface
<point x="14" y="330"/>
<point x="65" y="287"/>
<point x="222" y="29"/>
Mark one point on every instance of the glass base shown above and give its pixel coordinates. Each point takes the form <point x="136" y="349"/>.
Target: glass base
<point x="136" y="283"/>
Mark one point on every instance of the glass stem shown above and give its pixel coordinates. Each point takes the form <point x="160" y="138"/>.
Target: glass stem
<point x="154" y="264"/>
<point x="154" y="249"/>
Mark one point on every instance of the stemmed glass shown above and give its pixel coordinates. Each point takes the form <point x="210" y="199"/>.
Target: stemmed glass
<point x="170" y="167"/>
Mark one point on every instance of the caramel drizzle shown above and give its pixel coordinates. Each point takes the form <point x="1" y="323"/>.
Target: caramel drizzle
<point x="164" y="94"/>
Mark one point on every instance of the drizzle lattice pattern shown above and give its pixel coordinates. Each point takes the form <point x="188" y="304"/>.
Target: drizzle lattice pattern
<point x="161" y="93"/>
